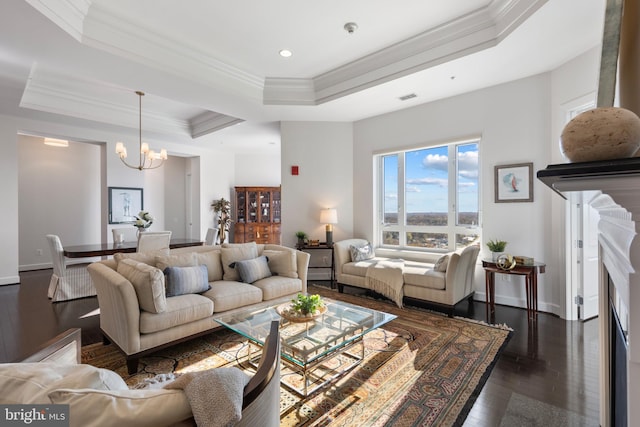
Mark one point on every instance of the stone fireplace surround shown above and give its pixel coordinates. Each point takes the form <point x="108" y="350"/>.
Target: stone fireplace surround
<point x="619" y="209"/>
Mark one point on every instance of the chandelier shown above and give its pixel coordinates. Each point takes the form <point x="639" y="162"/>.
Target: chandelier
<point x="147" y="156"/>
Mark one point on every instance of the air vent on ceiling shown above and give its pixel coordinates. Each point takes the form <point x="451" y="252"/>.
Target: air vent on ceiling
<point x="409" y="96"/>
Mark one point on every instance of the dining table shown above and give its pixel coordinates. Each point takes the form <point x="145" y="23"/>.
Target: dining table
<point x="105" y="249"/>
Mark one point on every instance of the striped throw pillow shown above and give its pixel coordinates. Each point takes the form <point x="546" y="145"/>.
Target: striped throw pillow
<point x="186" y="280"/>
<point x="252" y="270"/>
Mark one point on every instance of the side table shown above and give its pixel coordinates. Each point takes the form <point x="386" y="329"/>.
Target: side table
<point x="530" y="272"/>
<point x="321" y="246"/>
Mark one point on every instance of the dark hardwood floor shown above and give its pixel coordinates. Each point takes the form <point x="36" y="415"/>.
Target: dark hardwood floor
<point x="549" y="360"/>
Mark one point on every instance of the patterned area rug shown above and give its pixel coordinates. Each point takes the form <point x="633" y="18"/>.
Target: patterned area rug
<point x="419" y="369"/>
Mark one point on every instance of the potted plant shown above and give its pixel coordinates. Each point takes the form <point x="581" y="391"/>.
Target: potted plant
<point x="143" y="221"/>
<point x="496" y="247"/>
<point x="307" y="304"/>
<point x="222" y="209"/>
<point x="302" y="236"/>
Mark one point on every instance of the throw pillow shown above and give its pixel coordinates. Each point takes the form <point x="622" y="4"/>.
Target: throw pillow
<point x="441" y="264"/>
<point x="186" y="280"/>
<point x="252" y="270"/>
<point x="25" y="383"/>
<point x="213" y="262"/>
<point x="148" y="282"/>
<point x="231" y="253"/>
<point x="187" y="259"/>
<point x="361" y="252"/>
<point x="143" y="408"/>
<point x="282" y="262"/>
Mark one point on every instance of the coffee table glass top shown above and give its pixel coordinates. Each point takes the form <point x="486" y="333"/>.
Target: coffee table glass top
<point x="306" y="342"/>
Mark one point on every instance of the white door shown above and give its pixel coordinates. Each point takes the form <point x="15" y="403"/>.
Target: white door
<point x="589" y="291"/>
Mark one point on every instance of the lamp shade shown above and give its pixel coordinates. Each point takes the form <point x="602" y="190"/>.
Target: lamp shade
<point x="328" y="216"/>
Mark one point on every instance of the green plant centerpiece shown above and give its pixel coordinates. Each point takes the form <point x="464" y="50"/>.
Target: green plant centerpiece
<point x="303" y="308"/>
<point x="496" y="245"/>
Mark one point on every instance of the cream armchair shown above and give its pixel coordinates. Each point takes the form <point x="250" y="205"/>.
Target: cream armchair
<point x="100" y="398"/>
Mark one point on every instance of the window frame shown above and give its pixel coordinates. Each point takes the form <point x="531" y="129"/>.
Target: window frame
<point x="452" y="229"/>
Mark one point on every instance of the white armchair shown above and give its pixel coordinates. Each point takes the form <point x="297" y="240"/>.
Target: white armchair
<point x="67" y="282"/>
<point x="212" y="236"/>
<point x="153" y="241"/>
<point x="130" y="234"/>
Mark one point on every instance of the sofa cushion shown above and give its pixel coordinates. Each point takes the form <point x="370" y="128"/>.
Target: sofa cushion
<point x="361" y="252"/>
<point x="251" y="270"/>
<point x="148" y="282"/>
<point x="176" y="260"/>
<point x="180" y="310"/>
<point x="149" y="408"/>
<point x="232" y="252"/>
<point x="441" y="264"/>
<point x="423" y="275"/>
<point x="360" y="268"/>
<point x="213" y="262"/>
<point x="186" y="280"/>
<point x="30" y="383"/>
<point x="278" y="286"/>
<point x="282" y="262"/>
<point x="145" y="257"/>
<point x="228" y="295"/>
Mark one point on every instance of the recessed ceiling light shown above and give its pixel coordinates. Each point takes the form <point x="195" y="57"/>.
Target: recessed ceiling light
<point x="285" y="53"/>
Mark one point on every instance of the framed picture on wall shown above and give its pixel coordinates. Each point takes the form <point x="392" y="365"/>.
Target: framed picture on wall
<point x="514" y="183"/>
<point x="124" y="204"/>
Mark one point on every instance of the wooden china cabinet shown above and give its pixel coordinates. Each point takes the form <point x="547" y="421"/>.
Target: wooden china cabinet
<point x="257" y="215"/>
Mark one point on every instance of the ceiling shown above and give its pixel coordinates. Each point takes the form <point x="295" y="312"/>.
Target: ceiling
<point x="212" y="72"/>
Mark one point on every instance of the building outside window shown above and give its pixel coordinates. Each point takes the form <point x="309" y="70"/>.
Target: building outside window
<point x="428" y="198"/>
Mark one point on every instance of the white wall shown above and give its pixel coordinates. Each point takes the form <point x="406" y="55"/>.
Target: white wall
<point x="257" y="170"/>
<point x="9" y="206"/>
<point x="324" y="154"/>
<point x="59" y="193"/>
<point x="175" y="200"/>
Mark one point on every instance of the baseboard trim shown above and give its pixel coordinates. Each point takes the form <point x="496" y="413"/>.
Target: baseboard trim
<point x="9" y="280"/>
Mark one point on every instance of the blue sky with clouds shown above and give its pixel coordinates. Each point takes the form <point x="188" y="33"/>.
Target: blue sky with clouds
<point x="427" y="180"/>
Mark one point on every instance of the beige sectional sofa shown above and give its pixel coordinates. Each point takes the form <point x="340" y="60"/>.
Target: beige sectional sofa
<point x="137" y="315"/>
<point x="440" y="280"/>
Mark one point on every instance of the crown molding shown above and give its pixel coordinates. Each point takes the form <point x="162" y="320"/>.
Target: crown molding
<point x="51" y="93"/>
<point x="123" y="37"/>
<point x="286" y="91"/>
<point x="470" y="33"/>
<point x="67" y="14"/>
<point x="210" y="122"/>
<point x="98" y="27"/>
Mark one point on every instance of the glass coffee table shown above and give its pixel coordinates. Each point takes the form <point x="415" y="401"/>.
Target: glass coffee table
<point x="307" y="346"/>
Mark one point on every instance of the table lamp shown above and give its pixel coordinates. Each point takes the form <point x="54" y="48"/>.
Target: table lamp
<point x="329" y="217"/>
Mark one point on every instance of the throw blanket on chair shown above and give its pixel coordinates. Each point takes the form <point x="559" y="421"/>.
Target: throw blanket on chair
<point x="215" y="395"/>
<point x="385" y="277"/>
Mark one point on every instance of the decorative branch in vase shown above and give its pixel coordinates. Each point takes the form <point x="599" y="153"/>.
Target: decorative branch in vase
<point x="222" y="209"/>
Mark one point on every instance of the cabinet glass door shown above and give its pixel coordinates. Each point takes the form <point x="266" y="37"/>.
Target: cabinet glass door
<point x="265" y="207"/>
<point x="276" y="206"/>
<point x="253" y="206"/>
<point x="241" y="206"/>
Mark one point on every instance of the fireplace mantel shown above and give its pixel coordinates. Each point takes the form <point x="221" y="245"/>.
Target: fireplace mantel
<point x="618" y="181"/>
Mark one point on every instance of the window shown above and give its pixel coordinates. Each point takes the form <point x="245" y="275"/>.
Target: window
<point x="429" y="197"/>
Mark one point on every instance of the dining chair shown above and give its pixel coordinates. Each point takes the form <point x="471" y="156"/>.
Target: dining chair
<point x="153" y="241"/>
<point x="212" y="236"/>
<point x="67" y="281"/>
<point x="130" y="234"/>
